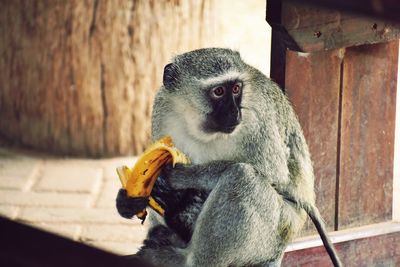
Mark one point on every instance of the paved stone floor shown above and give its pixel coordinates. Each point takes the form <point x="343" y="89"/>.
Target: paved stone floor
<point x="71" y="197"/>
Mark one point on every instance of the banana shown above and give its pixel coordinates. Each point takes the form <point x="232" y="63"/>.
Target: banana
<point x="139" y="180"/>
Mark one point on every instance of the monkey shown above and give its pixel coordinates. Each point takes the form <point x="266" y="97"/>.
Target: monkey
<point x="250" y="186"/>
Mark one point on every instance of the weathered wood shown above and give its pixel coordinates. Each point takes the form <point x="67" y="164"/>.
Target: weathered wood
<point x="78" y="77"/>
<point x="367" y="135"/>
<point x="380" y="250"/>
<point x="278" y="48"/>
<point x="360" y="150"/>
<point x="312" y="85"/>
<point x="281" y="41"/>
<point x="313" y="28"/>
<point x="384" y="9"/>
<point x="278" y="56"/>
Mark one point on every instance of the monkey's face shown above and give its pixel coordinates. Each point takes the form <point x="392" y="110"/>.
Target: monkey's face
<point x="210" y="108"/>
<point x="225" y="114"/>
<point x="206" y="88"/>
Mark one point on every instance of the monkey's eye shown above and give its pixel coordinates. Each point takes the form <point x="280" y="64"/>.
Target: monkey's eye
<point x="218" y="92"/>
<point x="236" y="89"/>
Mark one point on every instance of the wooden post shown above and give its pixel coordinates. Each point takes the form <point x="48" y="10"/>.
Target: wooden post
<point x="79" y="77"/>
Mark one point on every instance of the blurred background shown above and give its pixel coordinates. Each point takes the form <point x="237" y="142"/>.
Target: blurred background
<point x="78" y="77"/>
<point x="77" y="81"/>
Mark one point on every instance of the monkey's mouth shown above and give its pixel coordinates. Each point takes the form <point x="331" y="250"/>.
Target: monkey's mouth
<point x="229" y="128"/>
<point x="222" y="123"/>
<point x="212" y="127"/>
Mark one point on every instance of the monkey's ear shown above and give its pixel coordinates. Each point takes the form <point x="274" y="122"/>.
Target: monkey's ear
<point x="170" y="75"/>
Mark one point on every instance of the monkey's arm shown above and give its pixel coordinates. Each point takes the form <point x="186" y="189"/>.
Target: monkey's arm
<point x="240" y="206"/>
<point x="200" y="177"/>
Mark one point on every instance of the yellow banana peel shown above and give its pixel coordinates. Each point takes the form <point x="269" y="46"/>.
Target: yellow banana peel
<point x="139" y="180"/>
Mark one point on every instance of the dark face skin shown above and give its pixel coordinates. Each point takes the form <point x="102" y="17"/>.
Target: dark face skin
<point x="226" y="113"/>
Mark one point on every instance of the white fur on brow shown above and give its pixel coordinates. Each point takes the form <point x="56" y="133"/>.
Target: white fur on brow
<point x="228" y="76"/>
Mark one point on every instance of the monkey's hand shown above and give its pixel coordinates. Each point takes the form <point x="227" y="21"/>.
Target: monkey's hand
<point x="201" y="177"/>
<point x="127" y="206"/>
<point x="162" y="192"/>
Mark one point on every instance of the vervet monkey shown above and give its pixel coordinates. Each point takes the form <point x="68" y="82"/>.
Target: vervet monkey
<point x="250" y="185"/>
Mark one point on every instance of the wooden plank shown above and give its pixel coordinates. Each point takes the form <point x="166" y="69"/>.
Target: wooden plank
<point x="281" y="41"/>
<point x="385" y="9"/>
<point x="367" y="136"/>
<point x="312" y="85"/>
<point x="314" y="28"/>
<point x="373" y="250"/>
<point x="345" y="235"/>
<point x="278" y="56"/>
<point x="278" y="46"/>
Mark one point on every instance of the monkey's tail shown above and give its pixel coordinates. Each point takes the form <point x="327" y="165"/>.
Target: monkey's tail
<point x="317" y="220"/>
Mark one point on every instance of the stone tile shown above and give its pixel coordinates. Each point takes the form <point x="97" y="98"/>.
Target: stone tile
<point x="16" y="171"/>
<point x="43" y="199"/>
<point x="16" y="183"/>
<point x="120" y="233"/>
<point x="70" y="176"/>
<point x="8" y="211"/>
<point x="74" y="215"/>
<point x="65" y="230"/>
<point x="119" y="248"/>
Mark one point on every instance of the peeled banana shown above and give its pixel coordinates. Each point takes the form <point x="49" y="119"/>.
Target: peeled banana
<point x="139" y="180"/>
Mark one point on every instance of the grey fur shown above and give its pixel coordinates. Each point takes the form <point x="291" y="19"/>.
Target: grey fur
<point x="244" y="221"/>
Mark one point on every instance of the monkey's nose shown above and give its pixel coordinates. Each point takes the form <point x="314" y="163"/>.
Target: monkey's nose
<point x="236" y="114"/>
